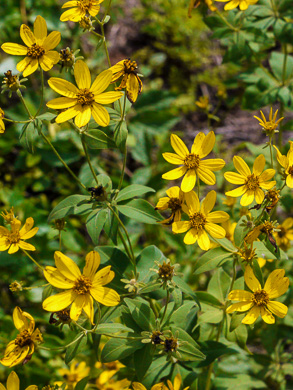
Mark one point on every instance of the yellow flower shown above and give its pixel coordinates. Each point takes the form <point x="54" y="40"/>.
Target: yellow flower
<point x="76" y="372"/>
<point x="127" y="69"/>
<point x="203" y="102"/>
<point x="191" y="163"/>
<point x="81" y="289"/>
<point x="196" y="3"/>
<point x="38" y="50"/>
<point x="230" y="228"/>
<point x="201" y="220"/>
<point x="13" y="383"/>
<point x="285" y="234"/>
<point x="262" y="261"/>
<point x="139" y="386"/>
<point x="79" y="9"/>
<point x="13" y="239"/>
<point x="2" y="125"/>
<point x="108" y="371"/>
<point x="160" y="386"/>
<point x="116" y="385"/>
<point x="287" y="163"/>
<point x="86" y="100"/>
<point x="271" y="125"/>
<point x="173" y="201"/>
<point x="243" y="4"/>
<point x="22" y="348"/>
<point x="259" y="301"/>
<point x="251" y="183"/>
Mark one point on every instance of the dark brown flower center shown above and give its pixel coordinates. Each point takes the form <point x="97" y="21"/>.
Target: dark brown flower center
<point x="174" y="204"/>
<point x="23" y="339"/>
<point x="85" y="97"/>
<point x="198" y="220"/>
<point x="129" y="66"/>
<point x="82" y="285"/>
<point x="166" y="271"/>
<point x="170" y="344"/>
<point x="260" y="298"/>
<point x="252" y="182"/>
<point x="156" y="337"/>
<point x="192" y="161"/>
<point x="35" y="51"/>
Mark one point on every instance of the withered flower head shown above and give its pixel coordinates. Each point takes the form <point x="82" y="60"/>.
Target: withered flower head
<point x="86" y="23"/>
<point x="247" y="254"/>
<point x="68" y="58"/>
<point x="59" y="224"/>
<point x="156" y="337"/>
<point x="166" y="272"/>
<point x="11" y="82"/>
<point x="8" y="216"/>
<point x="63" y="317"/>
<point x="16" y="286"/>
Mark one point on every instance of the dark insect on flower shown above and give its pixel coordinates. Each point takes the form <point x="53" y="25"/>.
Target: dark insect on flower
<point x="63" y="317"/>
<point x="98" y="193"/>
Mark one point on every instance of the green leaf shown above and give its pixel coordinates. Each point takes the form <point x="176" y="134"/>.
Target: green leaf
<point x="140" y="210"/>
<point x="112" y="328"/>
<point x="28" y="136"/>
<point x="73" y="204"/>
<point x="47" y="116"/>
<point x="238" y="382"/>
<point x="212" y="316"/>
<point x="211" y="259"/>
<point x="219" y="284"/>
<point x="118" y="349"/>
<point x="97" y="139"/>
<point x="188" y="349"/>
<point x="276" y="63"/>
<point x="120" y="135"/>
<point x="183" y="286"/>
<point x="47" y="292"/>
<point x="226" y="244"/>
<point x="111" y="226"/>
<point x="257" y="271"/>
<point x="82" y="383"/>
<point x="208" y="299"/>
<point x="133" y="190"/>
<point x="213" y="350"/>
<point x="142" y="360"/>
<point x="240" y="231"/>
<point x="180" y="315"/>
<point x="95" y="223"/>
<point x="141" y="313"/>
<point x="236" y="319"/>
<point x="75" y="348"/>
<point x="146" y="260"/>
<point x="262" y="251"/>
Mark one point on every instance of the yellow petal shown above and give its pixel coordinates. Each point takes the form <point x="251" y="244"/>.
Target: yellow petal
<point x="267" y="316"/>
<point x="283" y="161"/>
<point x="133" y="87"/>
<point x="206" y="175"/>
<point x="94" y="10"/>
<point x="138" y="386"/>
<point x="13" y="381"/>
<point x="62" y="102"/>
<point x="82" y="75"/>
<point x="48" y="60"/>
<point x="251" y="280"/>
<point x="14" y="49"/>
<point x="63" y="87"/>
<point x="234" y="178"/>
<point x="259" y="196"/>
<point x="192" y="201"/>
<point x="76" y="307"/>
<point x="104" y="276"/>
<point x="175" y="173"/>
<point x="237" y="192"/>
<point x="40" y="29"/>
<point x="190" y="237"/>
<point x="214" y="230"/>
<point x="69" y="4"/>
<point x="241" y="166"/>
<point x="101" y="82"/>
<point x="68" y="114"/>
<point x="214" y="164"/>
<point x="117" y="67"/>
<point x="267" y="185"/>
<point x="29" y="223"/>
<point x="163" y="203"/>
<point x="203" y="240"/>
<point x="20" y="321"/>
<point x="13" y="248"/>
<point x="247" y="198"/>
<point x="259" y="165"/>
<point x="233" y="4"/>
<point x="240" y="306"/>
<point x="1" y="386"/>
<point x="28" y="66"/>
<point x="93" y="261"/>
<point x="209" y="202"/>
<point x="100" y="115"/>
<point x="278" y="308"/>
<point x="108" y="97"/>
<point x="105" y="296"/>
<point x="289" y="181"/>
<point x="197" y="143"/>
<point x="173" y="192"/>
<point x="4" y="246"/>
<point x="2" y="126"/>
<point x="26" y="35"/>
<point x="59" y="301"/>
<point x="74" y="15"/>
<point x="89" y="308"/>
<point x="218" y="217"/>
<point x="188" y="181"/>
<point x="240" y="295"/>
<point x="179" y="146"/>
<point x="52" y="40"/>
<point x="251" y="316"/>
<point x="56" y="279"/>
<point x="208" y="144"/>
<point x="266" y="175"/>
<point x="276" y="284"/>
<point x="180" y="227"/>
<point x="83" y="117"/>
<point x="173" y="158"/>
<point x="26" y="246"/>
<point x="66" y="266"/>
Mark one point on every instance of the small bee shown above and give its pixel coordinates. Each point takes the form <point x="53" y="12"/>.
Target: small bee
<point x="96" y="191"/>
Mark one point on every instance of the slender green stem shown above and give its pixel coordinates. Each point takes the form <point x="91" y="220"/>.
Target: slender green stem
<point x="107" y="11"/>
<point x="11" y="120"/>
<point x="31" y="288"/>
<point x="125" y="149"/>
<point x="62" y="161"/>
<point x="60" y="241"/>
<point x="124" y="243"/>
<point x="24" y="103"/>
<point x="271" y="153"/>
<point x="65" y="346"/>
<point x="98" y="35"/>
<point x="42" y="93"/>
<point x="88" y="159"/>
<point x="105" y="45"/>
<point x="226" y="21"/>
<point x="166" y="305"/>
<point x="32" y="259"/>
<point x="280" y="139"/>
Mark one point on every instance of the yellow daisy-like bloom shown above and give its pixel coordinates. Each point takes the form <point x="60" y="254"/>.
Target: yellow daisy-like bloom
<point x="259" y="301"/>
<point x="13" y="383"/>
<point x="22" y="348"/>
<point x="285" y="234"/>
<point x="2" y="125"/>
<point x="191" y="163"/>
<point x="127" y="69"/>
<point x="81" y="288"/>
<point x="13" y="239"/>
<point x="243" y="4"/>
<point x="39" y="47"/>
<point x="287" y="163"/>
<point x="271" y="125"/>
<point x="160" y="386"/>
<point x="201" y="220"/>
<point x="108" y="371"/>
<point x="76" y="372"/>
<point x="173" y="201"/>
<point x="116" y="385"/>
<point x="251" y="183"/>
<point x="139" y="386"/>
<point x="203" y="102"/>
<point x="85" y="101"/>
<point x="79" y="9"/>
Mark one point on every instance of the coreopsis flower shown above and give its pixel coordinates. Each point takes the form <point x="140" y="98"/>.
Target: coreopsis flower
<point x="22" y="348"/>
<point x="196" y="3"/>
<point x="252" y="183"/>
<point x="108" y="371"/>
<point x="39" y="47"/>
<point x="79" y="9"/>
<point x="243" y="4"/>
<point x="81" y="289"/>
<point x="284" y="234"/>
<point x="176" y="385"/>
<point x="287" y="163"/>
<point x="13" y="239"/>
<point x="2" y="125"/>
<point x="140" y="386"/>
<point x="259" y="301"/>
<point x="127" y="69"/>
<point x="270" y="126"/>
<point x="201" y="221"/>
<point x="173" y="201"/>
<point x="191" y="163"/>
<point x="85" y="100"/>
<point x="76" y="372"/>
<point x="13" y="383"/>
<point x="203" y="102"/>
